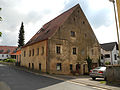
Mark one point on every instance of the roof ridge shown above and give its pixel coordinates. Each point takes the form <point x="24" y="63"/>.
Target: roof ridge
<point x="52" y="26"/>
<point x="108" y="43"/>
<point x="62" y="13"/>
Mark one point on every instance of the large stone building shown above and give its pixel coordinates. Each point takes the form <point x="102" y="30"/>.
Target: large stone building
<point x="62" y="45"/>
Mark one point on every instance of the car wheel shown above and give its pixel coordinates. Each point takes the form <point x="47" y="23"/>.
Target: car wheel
<point x="93" y="78"/>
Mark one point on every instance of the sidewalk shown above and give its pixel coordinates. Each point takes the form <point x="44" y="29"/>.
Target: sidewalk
<point x="85" y="80"/>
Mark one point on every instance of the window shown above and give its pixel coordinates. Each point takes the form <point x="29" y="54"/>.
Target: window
<point x="115" y="56"/>
<point x="40" y="66"/>
<point x="71" y="67"/>
<point x="59" y="67"/>
<point x="29" y="53"/>
<point x="6" y="55"/>
<point x="107" y="55"/>
<point x="37" y="51"/>
<point x="42" y="51"/>
<point x="101" y="56"/>
<point x="58" y="49"/>
<point x="33" y="52"/>
<point x="2" y="55"/>
<point x="24" y="53"/>
<point x="72" y="33"/>
<point x="74" y="50"/>
<point x="83" y="22"/>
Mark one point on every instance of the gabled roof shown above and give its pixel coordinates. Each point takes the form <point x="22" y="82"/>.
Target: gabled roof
<point x="7" y="49"/>
<point x="109" y="46"/>
<point x="50" y="28"/>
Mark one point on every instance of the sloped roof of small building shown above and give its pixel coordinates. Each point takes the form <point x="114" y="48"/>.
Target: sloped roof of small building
<point x="109" y="46"/>
<point x="50" y="28"/>
<point x="7" y="49"/>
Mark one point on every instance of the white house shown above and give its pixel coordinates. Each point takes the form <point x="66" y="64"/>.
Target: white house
<point x="5" y="51"/>
<point x="109" y="53"/>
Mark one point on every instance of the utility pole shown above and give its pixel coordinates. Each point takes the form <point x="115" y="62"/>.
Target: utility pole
<point x="113" y="1"/>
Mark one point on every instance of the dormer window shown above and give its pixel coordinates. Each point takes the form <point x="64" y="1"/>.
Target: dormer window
<point x="72" y="34"/>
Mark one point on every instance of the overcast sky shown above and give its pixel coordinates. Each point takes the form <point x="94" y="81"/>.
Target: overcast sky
<point x="35" y="13"/>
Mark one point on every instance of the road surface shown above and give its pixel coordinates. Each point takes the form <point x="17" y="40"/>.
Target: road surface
<point x="16" y="79"/>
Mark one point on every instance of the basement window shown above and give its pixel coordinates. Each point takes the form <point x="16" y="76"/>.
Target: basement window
<point x="72" y="34"/>
<point x="59" y="67"/>
<point x="71" y="67"/>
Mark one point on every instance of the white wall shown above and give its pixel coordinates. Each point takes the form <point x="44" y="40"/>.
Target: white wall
<point x="5" y="56"/>
<point x="112" y="57"/>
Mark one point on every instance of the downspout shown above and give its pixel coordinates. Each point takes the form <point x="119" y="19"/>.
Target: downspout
<point x="47" y="57"/>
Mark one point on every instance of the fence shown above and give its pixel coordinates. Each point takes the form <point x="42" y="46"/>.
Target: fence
<point x="113" y="74"/>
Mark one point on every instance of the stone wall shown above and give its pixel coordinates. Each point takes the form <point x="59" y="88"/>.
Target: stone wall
<point x="113" y="74"/>
<point x="36" y="59"/>
<point x="85" y="42"/>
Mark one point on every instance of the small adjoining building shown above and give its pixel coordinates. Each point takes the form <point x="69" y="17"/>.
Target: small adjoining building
<point x="5" y="52"/>
<point x="109" y="53"/>
<point x="17" y="54"/>
<point x="62" y="45"/>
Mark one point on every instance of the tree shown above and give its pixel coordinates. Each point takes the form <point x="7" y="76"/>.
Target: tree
<point x="0" y="34"/>
<point x="21" y="36"/>
<point x="89" y="61"/>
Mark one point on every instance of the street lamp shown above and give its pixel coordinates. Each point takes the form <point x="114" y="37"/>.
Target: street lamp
<point x="113" y="1"/>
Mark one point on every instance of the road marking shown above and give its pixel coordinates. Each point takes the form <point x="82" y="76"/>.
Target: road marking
<point x="76" y="83"/>
<point x="99" y="88"/>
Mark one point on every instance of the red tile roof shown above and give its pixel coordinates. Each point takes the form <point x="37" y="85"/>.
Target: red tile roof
<point x="50" y="28"/>
<point x="7" y="49"/>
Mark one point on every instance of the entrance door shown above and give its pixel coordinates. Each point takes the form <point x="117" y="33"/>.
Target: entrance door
<point x="29" y="65"/>
<point x="78" y="68"/>
<point x="32" y="65"/>
<point x="84" y="69"/>
<point x="40" y="66"/>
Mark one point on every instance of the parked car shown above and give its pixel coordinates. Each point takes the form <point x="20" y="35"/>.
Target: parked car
<point x="98" y="72"/>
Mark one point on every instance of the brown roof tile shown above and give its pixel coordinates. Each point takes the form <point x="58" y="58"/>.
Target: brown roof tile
<point x="50" y="28"/>
<point x="7" y="49"/>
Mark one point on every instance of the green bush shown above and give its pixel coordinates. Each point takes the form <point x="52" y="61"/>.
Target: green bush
<point x="9" y="60"/>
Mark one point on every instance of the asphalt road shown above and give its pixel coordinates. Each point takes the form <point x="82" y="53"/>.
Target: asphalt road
<point x="15" y="79"/>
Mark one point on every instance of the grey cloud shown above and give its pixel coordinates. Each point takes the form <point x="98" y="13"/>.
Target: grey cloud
<point x="9" y="39"/>
<point x="33" y="17"/>
<point x="100" y="18"/>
